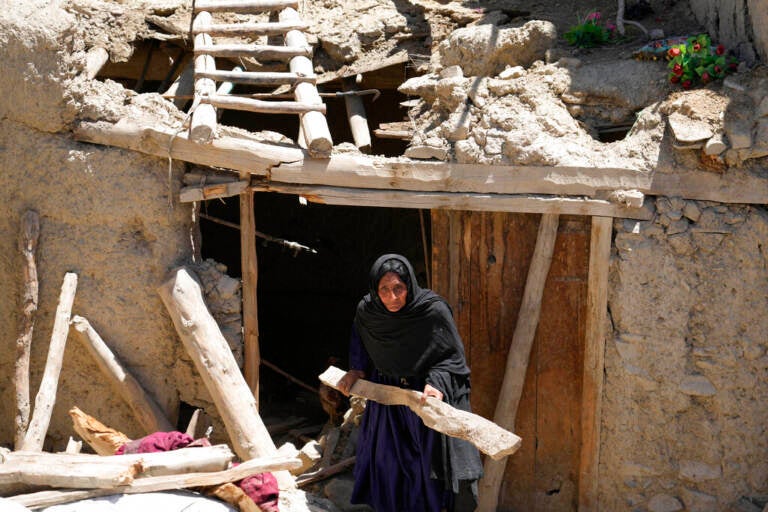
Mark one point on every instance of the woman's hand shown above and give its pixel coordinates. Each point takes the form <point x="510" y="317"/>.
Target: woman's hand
<point x="430" y="391"/>
<point x="349" y="379"/>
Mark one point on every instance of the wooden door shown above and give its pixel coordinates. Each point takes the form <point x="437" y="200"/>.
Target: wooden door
<point x="479" y="263"/>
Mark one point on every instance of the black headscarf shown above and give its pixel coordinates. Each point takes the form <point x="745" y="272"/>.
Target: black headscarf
<point x="416" y="341"/>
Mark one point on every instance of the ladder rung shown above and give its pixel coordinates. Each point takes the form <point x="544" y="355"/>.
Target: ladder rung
<point x="244" y="6"/>
<point x="250" y="29"/>
<point x="256" y="77"/>
<point x="265" y="107"/>
<point x="263" y="51"/>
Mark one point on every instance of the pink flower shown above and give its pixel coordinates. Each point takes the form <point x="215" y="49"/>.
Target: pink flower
<point x="593" y="16"/>
<point x="673" y="52"/>
<point x="674" y="79"/>
<point x="677" y="69"/>
<point x="705" y="77"/>
<point x="696" y="46"/>
<point x="720" y="49"/>
<point x="686" y="84"/>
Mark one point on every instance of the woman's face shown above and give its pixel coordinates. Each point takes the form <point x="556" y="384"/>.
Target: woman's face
<point x="393" y="292"/>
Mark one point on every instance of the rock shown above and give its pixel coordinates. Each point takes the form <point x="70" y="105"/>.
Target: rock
<point x="511" y="72"/>
<point x="761" y="135"/>
<point x="677" y="226"/>
<point x="696" y="501"/>
<point x="691" y="211"/>
<point x="738" y="122"/>
<point x="697" y="385"/>
<point x="452" y="72"/>
<point x="715" y="145"/>
<point x="339" y="491"/>
<point x="664" y="503"/>
<point x="762" y="109"/>
<point x="687" y="130"/>
<point x="697" y="471"/>
<point x="457" y="126"/>
<point x="423" y="86"/>
<point x="426" y="152"/>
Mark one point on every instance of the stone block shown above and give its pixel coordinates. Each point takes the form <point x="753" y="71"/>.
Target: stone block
<point x="697" y="385"/>
<point x="664" y="503"/>
<point x="698" y="471"/>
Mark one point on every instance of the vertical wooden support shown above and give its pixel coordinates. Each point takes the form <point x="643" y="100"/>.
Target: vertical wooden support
<point x="202" y="128"/>
<point x="519" y="354"/>
<point x="249" y="270"/>
<point x="46" y="395"/>
<point x="313" y="124"/>
<point x="28" y="236"/>
<point x="594" y="358"/>
<point x="358" y="120"/>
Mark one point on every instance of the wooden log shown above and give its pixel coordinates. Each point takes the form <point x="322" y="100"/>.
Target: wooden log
<point x="250" y="277"/>
<point x="594" y="361"/>
<point x="358" y="119"/>
<point x="73" y="446"/>
<point x="265" y="107"/>
<point x="261" y="78"/>
<point x="216" y="364"/>
<point x="46" y="395"/>
<point x="244" y="6"/>
<point x="183" y="86"/>
<point x="162" y="483"/>
<point x="225" y="152"/>
<point x="95" y="59"/>
<point x="326" y="472"/>
<point x="488" y="437"/>
<point x="146" y="410"/>
<point x="258" y="51"/>
<point x="7" y="505"/>
<point x="103" y="439"/>
<point x="252" y="29"/>
<point x="224" y="89"/>
<point x="456" y="201"/>
<point x="69" y="471"/>
<point x="314" y="126"/>
<point x="519" y="354"/>
<point x="232" y="494"/>
<point x="28" y="237"/>
<point x="205" y="192"/>
<point x="202" y="127"/>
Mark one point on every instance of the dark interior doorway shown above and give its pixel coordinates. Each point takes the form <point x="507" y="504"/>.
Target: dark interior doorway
<point x="307" y="300"/>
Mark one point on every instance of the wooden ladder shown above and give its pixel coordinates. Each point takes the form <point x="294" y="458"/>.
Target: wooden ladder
<point x="313" y="132"/>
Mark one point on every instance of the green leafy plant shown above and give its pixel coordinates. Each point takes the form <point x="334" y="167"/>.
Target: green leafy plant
<point x="590" y="32"/>
<point x="697" y="61"/>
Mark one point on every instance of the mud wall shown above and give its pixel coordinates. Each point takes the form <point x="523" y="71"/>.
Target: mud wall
<point x="104" y="215"/>
<point x="686" y="369"/>
<point x="736" y="23"/>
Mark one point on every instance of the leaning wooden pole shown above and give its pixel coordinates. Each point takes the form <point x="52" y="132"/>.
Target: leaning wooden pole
<point x="209" y="350"/>
<point x="594" y="361"/>
<point x="46" y="395"/>
<point x="249" y="272"/>
<point x="145" y="409"/>
<point x="29" y="234"/>
<point x="519" y="354"/>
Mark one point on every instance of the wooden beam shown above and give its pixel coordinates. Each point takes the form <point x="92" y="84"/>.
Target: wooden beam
<point x="519" y="354"/>
<point x="250" y="273"/>
<point x="69" y="471"/>
<point x="193" y="193"/>
<point x="456" y="201"/>
<point x="258" y="51"/>
<point x="162" y="483"/>
<point x="144" y="407"/>
<point x="253" y="29"/>
<point x="46" y="395"/>
<point x="226" y="152"/>
<point x="29" y="233"/>
<point x="244" y="6"/>
<point x="488" y="437"/>
<point x="314" y="126"/>
<point x="256" y="77"/>
<point x="594" y="361"/>
<point x="265" y="107"/>
<point x="202" y="128"/>
<point x="358" y="119"/>
<point x="737" y="186"/>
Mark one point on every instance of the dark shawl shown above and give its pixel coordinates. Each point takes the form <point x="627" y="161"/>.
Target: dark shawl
<point x="421" y="340"/>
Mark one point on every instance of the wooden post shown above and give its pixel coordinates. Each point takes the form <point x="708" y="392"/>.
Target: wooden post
<point x="358" y="120"/>
<point x="313" y="124"/>
<point x="46" y="395"/>
<point x="519" y="354"/>
<point x="102" y="439"/>
<point x="202" y="128"/>
<point x="216" y="364"/>
<point x="147" y="411"/>
<point x="594" y="357"/>
<point x="28" y="236"/>
<point x="249" y="272"/>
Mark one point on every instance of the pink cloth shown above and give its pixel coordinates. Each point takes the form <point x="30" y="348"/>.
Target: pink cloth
<point x="262" y="489"/>
<point x="157" y="442"/>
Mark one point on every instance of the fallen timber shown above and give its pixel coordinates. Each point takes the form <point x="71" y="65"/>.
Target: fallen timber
<point x="488" y="437"/>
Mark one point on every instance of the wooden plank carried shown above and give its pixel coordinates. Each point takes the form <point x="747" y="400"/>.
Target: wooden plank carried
<point x="255" y="77"/>
<point x="519" y="354"/>
<point x="163" y="483"/>
<point x="244" y="6"/>
<point x="251" y="29"/>
<point x="488" y="437"/>
<point x="144" y="407"/>
<point x="259" y="51"/>
<point x="46" y="395"/>
<point x="28" y="237"/>
<point x="266" y="107"/>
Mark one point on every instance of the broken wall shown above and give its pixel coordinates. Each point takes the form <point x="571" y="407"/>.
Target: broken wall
<point x="740" y="24"/>
<point x="686" y="368"/>
<point x="104" y="215"/>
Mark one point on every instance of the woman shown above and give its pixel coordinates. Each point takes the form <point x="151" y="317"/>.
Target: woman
<point x="405" y="336"/>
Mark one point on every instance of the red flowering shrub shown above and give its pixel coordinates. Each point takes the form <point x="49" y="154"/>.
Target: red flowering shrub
<point x="697" y="60"/>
